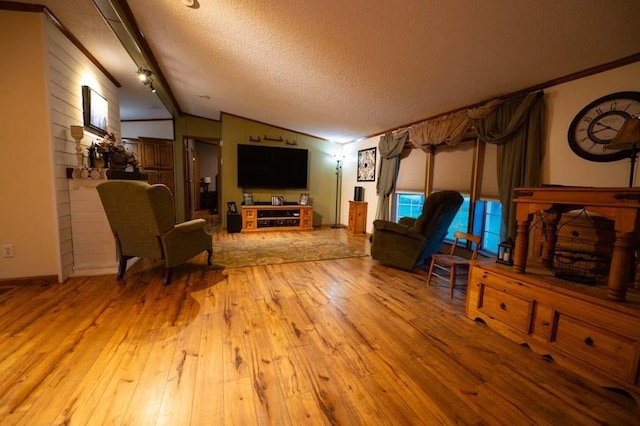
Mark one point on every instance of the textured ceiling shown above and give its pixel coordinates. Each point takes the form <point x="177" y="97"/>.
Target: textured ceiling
<point x="346" y="69"/>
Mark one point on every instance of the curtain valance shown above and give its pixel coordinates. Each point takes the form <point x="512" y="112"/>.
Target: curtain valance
<point x="448" y="129"/>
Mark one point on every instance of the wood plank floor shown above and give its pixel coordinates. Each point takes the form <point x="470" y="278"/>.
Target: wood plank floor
<point x="344" y="342"/>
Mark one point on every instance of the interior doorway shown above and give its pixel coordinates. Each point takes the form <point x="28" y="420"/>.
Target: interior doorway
<point x="202" y="180"/>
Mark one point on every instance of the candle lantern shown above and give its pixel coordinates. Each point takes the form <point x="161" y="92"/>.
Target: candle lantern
<point x="505" y="252"/>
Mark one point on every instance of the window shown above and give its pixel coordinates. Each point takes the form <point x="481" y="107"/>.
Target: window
<point x="407" y="204"/>
<point x="487" y="224"/>
<point x="487" y="221"/>
<point x="461" y="220"/>
<point x="457" y="168"/>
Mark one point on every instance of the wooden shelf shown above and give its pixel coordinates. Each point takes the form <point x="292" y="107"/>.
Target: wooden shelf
<point x="260" y="218"/>
<point x="621" y="205"/>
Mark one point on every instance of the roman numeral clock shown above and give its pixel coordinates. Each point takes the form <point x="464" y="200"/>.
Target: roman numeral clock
<point x="595" y="126"/>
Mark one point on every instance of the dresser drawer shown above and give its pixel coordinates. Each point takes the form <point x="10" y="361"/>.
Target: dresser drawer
<point x="601" y="348"/>
<point x="512" y="310"/>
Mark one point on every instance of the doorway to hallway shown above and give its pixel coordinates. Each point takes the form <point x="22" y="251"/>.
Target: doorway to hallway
<point x="202" y="179"/>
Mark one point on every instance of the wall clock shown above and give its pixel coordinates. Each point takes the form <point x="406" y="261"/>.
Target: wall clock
<point x="367" y="165"/>
<point x="599" y="122"/>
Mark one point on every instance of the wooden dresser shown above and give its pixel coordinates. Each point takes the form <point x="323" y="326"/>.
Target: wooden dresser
<point x="576" y="324"/>
<point x="357" y="217"/>
<point x="592" y="329"/>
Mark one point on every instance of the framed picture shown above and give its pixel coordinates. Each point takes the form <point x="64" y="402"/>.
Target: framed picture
<point x="304" y="199"/>
<point x="231" y="205"/>
<point x="277" y="200"/>
<point x="367" y="165"/>
<point x="247" y="199"/>
<point x="95" y="110"/>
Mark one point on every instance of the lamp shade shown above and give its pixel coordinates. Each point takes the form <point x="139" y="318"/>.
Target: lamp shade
<point x="628" y="137"/>
<point x="206" y="179"/>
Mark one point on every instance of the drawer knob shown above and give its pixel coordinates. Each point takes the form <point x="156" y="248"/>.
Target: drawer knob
<point x="503" y="306"/>
<point x="588" y="341"/>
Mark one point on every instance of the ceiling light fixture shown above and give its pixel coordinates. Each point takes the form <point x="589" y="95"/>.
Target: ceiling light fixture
<point x="144" y="75"/>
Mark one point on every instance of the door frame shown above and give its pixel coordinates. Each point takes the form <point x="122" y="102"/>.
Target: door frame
<point x="188" y="170"/>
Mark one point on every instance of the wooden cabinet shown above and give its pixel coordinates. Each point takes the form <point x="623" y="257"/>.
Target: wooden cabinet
<point x="357" y="217"/>
<point x="574" y="323"/>
<point x="306" y="218"/>
<point x="156" y="154"/>
<point x="161" y="176"/>
<point x="276" y="218"/>
<point x="155" y="157"/>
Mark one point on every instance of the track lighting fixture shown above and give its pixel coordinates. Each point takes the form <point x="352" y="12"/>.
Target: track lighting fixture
<point x="145" y="77"/>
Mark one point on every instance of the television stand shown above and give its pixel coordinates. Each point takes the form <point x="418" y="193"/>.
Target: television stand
<point x="259" y="218"/>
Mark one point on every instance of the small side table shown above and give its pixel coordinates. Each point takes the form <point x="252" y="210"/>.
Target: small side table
<point x="357" y="217"/>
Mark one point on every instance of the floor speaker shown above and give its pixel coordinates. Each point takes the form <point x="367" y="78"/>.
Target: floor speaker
<point x="234" y="223"/>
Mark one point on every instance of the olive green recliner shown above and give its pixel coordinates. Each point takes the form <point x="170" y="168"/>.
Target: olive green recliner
<point x="410" y="242"/>
<point x="142" y="219"/>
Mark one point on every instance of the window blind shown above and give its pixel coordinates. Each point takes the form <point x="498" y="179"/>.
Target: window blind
<point x="453" y="168"/>
<point x="411" y="175"/>
<point x="489" y="188"/>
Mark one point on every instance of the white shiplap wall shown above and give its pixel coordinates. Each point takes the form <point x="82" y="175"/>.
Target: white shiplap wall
<point x="67" y="71"/>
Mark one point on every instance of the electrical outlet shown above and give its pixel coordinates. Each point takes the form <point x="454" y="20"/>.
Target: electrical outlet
<point x="7" y="250"/>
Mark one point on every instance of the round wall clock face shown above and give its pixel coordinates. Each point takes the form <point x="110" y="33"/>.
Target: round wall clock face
<point x="598" y="123"/>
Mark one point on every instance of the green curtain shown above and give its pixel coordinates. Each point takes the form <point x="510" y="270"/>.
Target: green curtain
<point x="390" y="148"/>
<point x="516" y="126"/>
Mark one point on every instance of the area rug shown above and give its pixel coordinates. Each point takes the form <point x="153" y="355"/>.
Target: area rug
<point x="277" y="250"/>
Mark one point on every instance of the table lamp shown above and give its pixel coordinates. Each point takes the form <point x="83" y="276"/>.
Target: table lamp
<point x="628" y="138"/>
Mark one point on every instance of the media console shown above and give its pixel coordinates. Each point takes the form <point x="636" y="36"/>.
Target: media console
<point x="258" y="218"/>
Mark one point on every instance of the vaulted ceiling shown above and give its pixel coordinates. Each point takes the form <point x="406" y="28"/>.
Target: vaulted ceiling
<point x="341" y="70"/>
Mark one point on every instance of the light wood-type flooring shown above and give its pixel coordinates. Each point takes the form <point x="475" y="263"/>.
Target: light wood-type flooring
<point x="345" y="342"/>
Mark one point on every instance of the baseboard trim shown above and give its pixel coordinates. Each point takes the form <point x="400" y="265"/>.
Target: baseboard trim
<point x="22" y="281"/>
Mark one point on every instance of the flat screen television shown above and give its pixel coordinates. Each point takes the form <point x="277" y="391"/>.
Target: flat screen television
<point x="261" y="166"/>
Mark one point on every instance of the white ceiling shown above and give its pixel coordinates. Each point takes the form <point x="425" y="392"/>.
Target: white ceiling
<point x="341" y="70"/>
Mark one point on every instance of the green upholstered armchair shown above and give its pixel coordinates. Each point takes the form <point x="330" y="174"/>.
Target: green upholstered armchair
<point x="410" y="242"/>
<point x="142" y="219"/>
